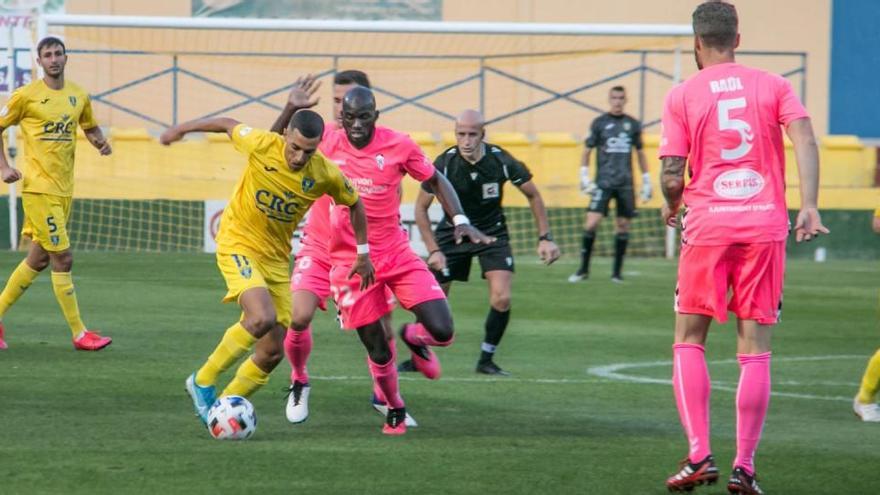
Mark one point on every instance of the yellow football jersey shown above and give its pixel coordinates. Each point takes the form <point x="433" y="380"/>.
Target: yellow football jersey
<point x="48" y="120"/>
<point x="270" y="200"/>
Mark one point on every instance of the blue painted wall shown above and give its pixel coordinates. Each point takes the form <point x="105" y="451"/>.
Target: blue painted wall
<point x="855" y="68"/>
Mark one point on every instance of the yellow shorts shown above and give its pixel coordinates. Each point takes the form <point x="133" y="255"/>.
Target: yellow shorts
<point x="45" y="220"/>
<point x="243" y="272"/>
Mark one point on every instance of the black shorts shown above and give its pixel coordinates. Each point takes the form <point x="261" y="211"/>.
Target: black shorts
<point x="495" y="256"/>
<point x="623" y="196"/>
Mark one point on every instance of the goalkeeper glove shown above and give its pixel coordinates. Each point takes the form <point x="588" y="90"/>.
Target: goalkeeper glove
<point x="647" y="191"/>
<point x="587" y="186"/>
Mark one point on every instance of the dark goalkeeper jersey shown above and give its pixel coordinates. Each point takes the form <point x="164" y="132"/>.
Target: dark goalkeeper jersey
<point x="480" y="187"/>
<point x="614" y="136"/>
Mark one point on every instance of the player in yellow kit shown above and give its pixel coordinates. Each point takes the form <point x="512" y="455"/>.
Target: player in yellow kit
<point x="284" y="176"/>
<point x="48" y="111"/>
<point x="865" y="404"/>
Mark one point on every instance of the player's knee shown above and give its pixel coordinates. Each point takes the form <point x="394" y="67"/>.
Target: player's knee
<point x="300" y="322"/>
<point x="442" y="331"/>
<point x="38" y="263"/>
<point x="61" y="262"/>
<point x="500" y="301"/>
<point x="261" y="322"/>
<point x="379" y="355"/>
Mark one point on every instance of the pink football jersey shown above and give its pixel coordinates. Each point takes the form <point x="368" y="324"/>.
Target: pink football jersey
<point x="726" y="120"/>
<point x="375" y="172"/>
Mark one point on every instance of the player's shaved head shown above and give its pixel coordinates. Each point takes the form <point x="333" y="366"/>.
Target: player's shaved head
<point x="469" y="133"/>
<point x="470" y="118"/>
<point x="359" y="115"/>
<point x="716" y="24"/>
<point x="308" y="123"/>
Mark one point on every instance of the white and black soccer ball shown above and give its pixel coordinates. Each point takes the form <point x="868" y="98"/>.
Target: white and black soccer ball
<point x="232" y="418"/>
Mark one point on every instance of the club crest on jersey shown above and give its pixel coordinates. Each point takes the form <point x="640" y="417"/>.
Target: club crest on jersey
<point x="307" y="184"/>
<point x="380" y="161"/>
<point x="473" y="176"/>
<point x="54" y="239"/>
<point x="72" y="100"/>
<point x="348" y="186"/>
<point x="626" y="126"/>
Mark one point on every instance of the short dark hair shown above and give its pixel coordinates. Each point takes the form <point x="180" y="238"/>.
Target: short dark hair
<point x="308" y="123"/>
<point x="352" y="77"/>
<point x="50" y="41"/>
<point x="716" y="24"/>
<point x="618" y="88"/>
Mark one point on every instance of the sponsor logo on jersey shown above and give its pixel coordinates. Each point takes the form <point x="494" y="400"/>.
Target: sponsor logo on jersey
<point x="609" y="126"/>
<point x="307" y="184"/>
<point x="61" y="130"/>
<point x="44" y="101"/>
<point x="491" y="190"/>
<point x="276" y="207"/>
<point x="742" y="183"/>
<point x="618" y="144"/>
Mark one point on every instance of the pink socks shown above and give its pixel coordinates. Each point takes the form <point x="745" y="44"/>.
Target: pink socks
<point x="691" y="385"/>
<point x="385" y="379"/>
<point x="297" y="347"/>
<point x="752" y="399"/>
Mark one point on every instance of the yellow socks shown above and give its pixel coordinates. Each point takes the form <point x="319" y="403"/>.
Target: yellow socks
<point x="236" y="341"/>
<point x="248" y="379"/>
<point x="22" y="278"/>
<point x="871" y="380"/>
<point x="62" y="284"/>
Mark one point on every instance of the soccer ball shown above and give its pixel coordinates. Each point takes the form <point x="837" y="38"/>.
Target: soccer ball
<point x="232" y="418"/>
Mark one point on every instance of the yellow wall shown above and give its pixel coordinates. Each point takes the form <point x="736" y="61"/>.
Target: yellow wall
<point x="208" y="167"/>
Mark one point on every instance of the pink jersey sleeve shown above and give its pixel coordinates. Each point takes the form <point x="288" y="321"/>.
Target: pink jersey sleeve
<point x="790" y="107"/>
<point x="417" y="164"/>
<point x="675" y="139"/>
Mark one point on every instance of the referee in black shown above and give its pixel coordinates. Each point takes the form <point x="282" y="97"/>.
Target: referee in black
<point x="614" y="134"/>
<point x="478" y="171"/>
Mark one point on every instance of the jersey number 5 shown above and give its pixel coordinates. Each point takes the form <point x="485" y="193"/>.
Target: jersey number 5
<point x="725" y="123"/>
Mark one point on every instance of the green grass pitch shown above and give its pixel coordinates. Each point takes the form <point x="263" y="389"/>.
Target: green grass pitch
<point x="118" y="421"/>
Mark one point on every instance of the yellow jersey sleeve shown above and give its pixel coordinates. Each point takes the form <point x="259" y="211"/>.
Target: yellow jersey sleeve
<point x="877" y="212"/>
<point x="11" y="112"/>
<point x="87" y="117"/>
<point x="338" y="186"/>
<point x="248" y="140"/>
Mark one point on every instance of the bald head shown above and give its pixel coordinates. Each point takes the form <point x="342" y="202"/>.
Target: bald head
<point x="470" y="118"/>
<point x="469" y="135"/>
<point x="359" y="116"/>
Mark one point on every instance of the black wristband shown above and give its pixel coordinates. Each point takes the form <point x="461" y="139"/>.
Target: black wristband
<point x="546" y="237"/>
<point x="435" y="251"/>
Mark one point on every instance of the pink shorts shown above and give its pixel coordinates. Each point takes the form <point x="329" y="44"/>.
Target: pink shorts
<point x="745" y="279"/>
<point x="403" y="275"/>
<point x="311" y="272"/>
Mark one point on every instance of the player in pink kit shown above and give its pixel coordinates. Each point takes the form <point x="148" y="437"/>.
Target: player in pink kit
<point x="725" y="121"/>
<point x="375" y="159"/>
<point x="310" y="284"/>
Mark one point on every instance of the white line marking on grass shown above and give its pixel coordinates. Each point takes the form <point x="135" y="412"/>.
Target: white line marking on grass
<point x="613" y="372"/>
<point x="563" y="381"/>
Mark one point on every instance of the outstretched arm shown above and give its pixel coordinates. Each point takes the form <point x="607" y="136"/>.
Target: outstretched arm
<point x="448" y="198"/>
<point x="214" y="124"/>
<point x="672" y="184"/>
<point x="302" y="95"/>
<point x="362" y="265"/>
<point x="548" y="251"/>
<point x="809" y="223"/>
<point x="96" y="137"/>
<point x="436" y="258"/>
